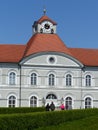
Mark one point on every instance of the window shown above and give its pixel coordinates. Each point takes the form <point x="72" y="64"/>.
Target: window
<point x="68" y="80"/>
<point x="68" y="103"/>
<point x="51" y="80"/>
<point x="41" y="30"/>
<point x="33" y="101"/>
<point x="52" y="31"/>
<point x="52" y="60"/>
<point x="12" y="101"/>
<point x="12" y="78"/>
<point x="88" y="80"/>
<point x="88" y="102"/>
<point x="51" y="96"/>
<point x="33" y="79"/>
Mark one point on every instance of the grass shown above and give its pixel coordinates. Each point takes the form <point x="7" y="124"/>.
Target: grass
<point x="90" y="123"/>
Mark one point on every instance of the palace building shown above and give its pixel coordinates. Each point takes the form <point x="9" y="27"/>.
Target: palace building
<point x="45" y="70"/>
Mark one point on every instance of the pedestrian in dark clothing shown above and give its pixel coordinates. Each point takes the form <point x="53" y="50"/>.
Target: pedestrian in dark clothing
<point x="47" y="107"/>
<point x="52" y="106"/>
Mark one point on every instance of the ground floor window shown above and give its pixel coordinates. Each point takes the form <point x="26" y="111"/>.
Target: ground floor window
<point x="33" y="101"/>
<point x="51" y="96"/>
<point x="12" y="101"/>
<point x="68" y="103"/>
<point x="88" y="102"/>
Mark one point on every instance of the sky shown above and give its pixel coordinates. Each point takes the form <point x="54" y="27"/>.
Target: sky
<point x="77" y="20"/>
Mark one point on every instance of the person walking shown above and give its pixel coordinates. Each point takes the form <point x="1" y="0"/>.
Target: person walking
<point x="47" y="107"/>
<point x="62" y="107"/>
<point x="52" y="106"/>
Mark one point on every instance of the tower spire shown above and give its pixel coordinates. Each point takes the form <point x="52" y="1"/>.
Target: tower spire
<point x="44" y="7"/>
<point x="44" y="11"/>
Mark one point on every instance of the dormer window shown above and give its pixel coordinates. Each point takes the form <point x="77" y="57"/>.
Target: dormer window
<point x="52" y="31"/>
<point x="41" y="30"/>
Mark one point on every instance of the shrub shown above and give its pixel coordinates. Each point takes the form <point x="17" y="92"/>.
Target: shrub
<point x="21" y="110"/>
<point x="33" y="120"/>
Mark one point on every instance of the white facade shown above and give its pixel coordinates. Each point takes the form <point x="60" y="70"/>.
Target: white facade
<point x="69" y="81"/>
<point x="45" y="77"/>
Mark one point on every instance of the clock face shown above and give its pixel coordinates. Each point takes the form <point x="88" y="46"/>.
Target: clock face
<point x="46" y="26"/>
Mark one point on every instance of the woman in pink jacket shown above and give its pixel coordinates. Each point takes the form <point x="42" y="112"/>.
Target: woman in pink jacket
<point x="62" y="107"/>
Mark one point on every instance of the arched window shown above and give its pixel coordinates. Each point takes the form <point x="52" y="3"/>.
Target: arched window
<point x="41" y="30"/>
<point x="51" y="96"/>
<point x="52" y="31"/>
<point x="33" y="101"/>
<point x="88" y="80"/>
<point x="33" y="79"/>
<point x="12" y="78"/>
<point x="68" y="103"/>
<point x="88" y="102"/>
<point x="51" y="80"/>
<point x="12" y="101"/>
<point x="68" y="80"/>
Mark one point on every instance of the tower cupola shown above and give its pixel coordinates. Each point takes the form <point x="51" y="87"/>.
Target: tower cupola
<point x="44" y="25"/>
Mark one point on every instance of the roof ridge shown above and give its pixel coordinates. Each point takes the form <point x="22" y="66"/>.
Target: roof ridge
<point x="44" y="18"/>
<point x="28" y="44"/>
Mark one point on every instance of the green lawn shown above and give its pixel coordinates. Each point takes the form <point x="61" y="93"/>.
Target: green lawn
<point x="90" y="123"/>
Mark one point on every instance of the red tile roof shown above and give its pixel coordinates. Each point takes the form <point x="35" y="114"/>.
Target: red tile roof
<point x="45" y="43"/>
<point x="11" y="53"/>
<point x="88" y="57"/>
<point x="46" y="18"/>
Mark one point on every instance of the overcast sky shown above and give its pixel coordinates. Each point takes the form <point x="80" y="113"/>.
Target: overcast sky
<point x="77" y="20"/>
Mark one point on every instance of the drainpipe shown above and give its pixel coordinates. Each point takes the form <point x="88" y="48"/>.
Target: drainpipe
<point x="20" y="86"/>
<point x="82" y="70"/>
<point x="81" y="89"/>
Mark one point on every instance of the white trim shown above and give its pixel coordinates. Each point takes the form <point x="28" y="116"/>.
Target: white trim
<point x="52" y="53"/>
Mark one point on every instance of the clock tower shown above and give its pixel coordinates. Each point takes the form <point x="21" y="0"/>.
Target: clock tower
<point x="44" y="25"/>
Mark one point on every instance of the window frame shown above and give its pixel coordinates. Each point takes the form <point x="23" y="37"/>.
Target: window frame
<point x="68" y="102"/>
<point x="51" y="96"/>
<point x="88" y="102"/>
<point x="51" y="79"/>
<point x="33" y="79"/>
<point x="68" y="80"/>
<point x="88" y="80"/>
<point x="12" y="100"/>
<point x="33" y="101"/>
<point x="12" y="78"/>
